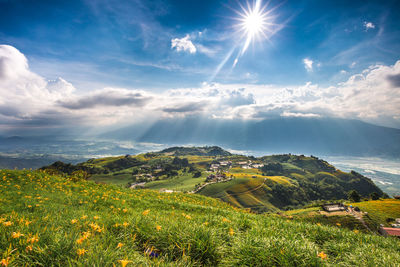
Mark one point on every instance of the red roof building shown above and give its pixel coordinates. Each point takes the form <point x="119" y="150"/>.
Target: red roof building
<point x="390" y="231"/>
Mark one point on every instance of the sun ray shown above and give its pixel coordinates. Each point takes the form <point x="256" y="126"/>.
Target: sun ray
<point x="255" y="21"/>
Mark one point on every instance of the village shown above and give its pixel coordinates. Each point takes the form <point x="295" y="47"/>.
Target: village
<point x="217" y="172"/>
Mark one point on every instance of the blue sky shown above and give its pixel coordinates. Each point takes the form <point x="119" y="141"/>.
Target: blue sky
<point x="151" y="48"/>
<point x="131" y="40"/>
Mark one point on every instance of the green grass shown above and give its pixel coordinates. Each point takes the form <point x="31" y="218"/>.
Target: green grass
<point x="121" y="179"/>
<point x="380" y="210"/>
<point x="246" y="171"/>
<point x="47" y="220"/>
<point x="183" y="182"/>
<point x="312" y="215"/>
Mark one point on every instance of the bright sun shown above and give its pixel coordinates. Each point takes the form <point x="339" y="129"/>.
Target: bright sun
<point x="255" y="22"/>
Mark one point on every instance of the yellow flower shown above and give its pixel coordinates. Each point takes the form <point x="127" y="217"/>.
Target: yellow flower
<point x="96" y="217"/>
<point x="125" y="224"/>
<point x="338" y="224"/>
<point x="205" y="223"/>
<point x="73" y="221"/>
<point x="318" y="224"/>
<point x="8" y="223"/>
<point x="225" y="220"/>
<point x="120" y="245"/>
<point x="5" y="262"/>
<point x="356" y="231"/>
<point x="81" y="251"/>
<point x="16" y="235"/>
<point x="231" y="232"/>
<point x="29" y="248"/>
<point x="32" y="239"/>
<point x="84" y="217"/>
<point x="124" y="262"/>
<point x="158" y="228"/>
<point x="146" y="212"/>
<point x="86" y="234"/>
<point x="125" y="210"/>
<point x="322" y="255"/>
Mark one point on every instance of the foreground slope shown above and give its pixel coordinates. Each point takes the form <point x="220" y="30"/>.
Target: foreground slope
<point x="50" y="220"/>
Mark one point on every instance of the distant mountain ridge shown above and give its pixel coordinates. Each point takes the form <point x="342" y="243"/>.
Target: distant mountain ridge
<point x="323" y="136"/>
<point x="198" y="151"/>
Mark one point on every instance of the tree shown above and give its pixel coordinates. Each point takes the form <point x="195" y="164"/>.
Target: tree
<point x="196" y="174"/>
<point x="374" y="196"/>
<point x="354" y="196"/>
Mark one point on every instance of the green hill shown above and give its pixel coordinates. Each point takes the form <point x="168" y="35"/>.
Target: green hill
<point x="196" y="151"/>
<point x="51" y="220"/>
<point x="268" y="183"/>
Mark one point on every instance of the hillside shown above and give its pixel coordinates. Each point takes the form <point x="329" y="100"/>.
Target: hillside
<point x="373" y="212"/>
<point x="268" y="183"/>
<point x="48" y="220"/>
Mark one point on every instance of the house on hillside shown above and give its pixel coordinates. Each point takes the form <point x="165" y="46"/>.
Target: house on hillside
<point x="388" y="231"/>
<point x="331" y="207"/>
<point x="257" y="165"/>
<point x="225" y="163"/>
<point x="214" y="167"/>
<point x="216" y="178"/>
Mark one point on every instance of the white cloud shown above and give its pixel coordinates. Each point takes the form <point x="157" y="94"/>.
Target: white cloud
<point x="308" y="64"/>
<point x="26" y="98"/>
<point x="183" y="44"/>
<point x="369" y="25"/>
<point x="24" y="90"/>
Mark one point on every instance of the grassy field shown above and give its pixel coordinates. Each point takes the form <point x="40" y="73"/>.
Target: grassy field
<point x="184" y="182"/>
<point x="121" y="179"/>
<point x="312" y="215"/>
<point x="52" y="221"/>
<point x="380" y="210"/>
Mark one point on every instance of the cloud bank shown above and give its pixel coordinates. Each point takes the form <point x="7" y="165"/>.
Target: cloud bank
<point x="28" y="100"/>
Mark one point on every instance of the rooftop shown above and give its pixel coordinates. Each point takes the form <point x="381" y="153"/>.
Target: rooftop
<point x="392" y="231"/>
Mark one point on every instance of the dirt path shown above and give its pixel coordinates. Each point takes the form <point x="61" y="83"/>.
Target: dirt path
<point x="204" y="185"/>
<point x="359" y="216"/>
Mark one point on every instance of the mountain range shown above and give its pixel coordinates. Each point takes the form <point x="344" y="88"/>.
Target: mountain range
<point x="321" y="136"/>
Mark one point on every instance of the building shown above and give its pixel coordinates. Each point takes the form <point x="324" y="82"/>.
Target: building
<point x="258" y="165"/>
<point x="388" y="231"/>
<point x="331" y="207"/>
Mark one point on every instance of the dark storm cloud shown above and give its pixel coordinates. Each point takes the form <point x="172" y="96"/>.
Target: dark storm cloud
<point x="106" y="98"/>
<point x="185" y="108"/>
